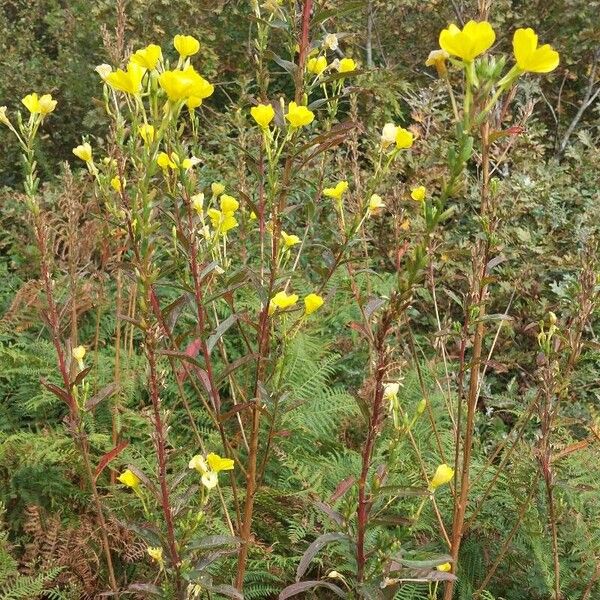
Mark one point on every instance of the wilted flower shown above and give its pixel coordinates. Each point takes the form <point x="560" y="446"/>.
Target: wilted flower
<point x="390" y="390"/>
<point x="78" y="353"/>
<point x="299" y="116"/>
<point x="376" y="204"/>
<point x="331" y="41"/>
<point x="186" y="45"/>
<point x="3" y="118"/>
<point x="281" y="301"/>
<point x="442" y="475"/>
<point x="312" y="303"/>
<point x="263" y="114"/>
<point x="198" y="202"/>
<point x="388" y="135"/>
<point x="529" y="56"/>
<point x="103" y="70"/>
<point x="437" y="59"/>
<point x="474" y="39"/>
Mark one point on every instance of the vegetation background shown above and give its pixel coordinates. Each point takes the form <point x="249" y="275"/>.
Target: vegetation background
<point x="547" y="241"/>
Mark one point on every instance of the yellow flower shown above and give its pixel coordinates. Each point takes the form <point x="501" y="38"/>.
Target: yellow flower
<point x="84" y="152"/>
<point x="298" y="116"/>
<point x="198" y="202"/>
<point x="222" y="222"/>
<point x="147" y="57"/>
<point x="281" y="301"/>
<point x="531" y="58"/>
<point x="442" y="475"/>
<point x="263" y="114"/>
<point x="405" y="225"/>
<point x="165" y="161"/>
<point x="185" y="85"/>
<point x="474" y="39"/>
<point x="155" y="553"/>
<point x="376" y="204"/>
<point x="130" y="479"/>
<point x="317" y="65"/>
<point x="289" y="240"/>
<point x="186" y="45"/>
<point x="418" y="193"/>
<point x="116" y="184"/>
<point x="253" y="216"/>
<point x="444" y="567"/>
<point x="41" y="105"/>
<point x="78" y="353"/>
<point x="336" y="192"/>
<point x="437" y="59"/>
<point x="228" y="204"/>
<point x="210" y="467"/>
<point x="217" y="464"/>
<point x="346" y="65"/>
<point x="312" y="303"/>
<point x="146" y="133"/>
<point x="129" y="81"/>
<point x="202" y="89"/>
<point x="404" y="138"/>
<point x="217" y="188"/>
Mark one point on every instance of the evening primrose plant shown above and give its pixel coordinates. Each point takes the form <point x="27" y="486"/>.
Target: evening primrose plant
<point x="229" y="265"/>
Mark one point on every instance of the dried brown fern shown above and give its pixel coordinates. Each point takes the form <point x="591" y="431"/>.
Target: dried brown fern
<point x="74" y="548"/>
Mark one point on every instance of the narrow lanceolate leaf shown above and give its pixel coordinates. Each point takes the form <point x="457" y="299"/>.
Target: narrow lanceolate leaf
<point x="57" y="391"/>
<point x="423" y="564"/>
<point x="315" y="548"/>
<point x="146" y="588"/>
<point x="210" y="542"/>
<point x="111" y="455"/>
<point x="105" y="392"/>
<point x="303" y="586"/>
<point x="226" y="590"/>
<point x="220" y="331"/>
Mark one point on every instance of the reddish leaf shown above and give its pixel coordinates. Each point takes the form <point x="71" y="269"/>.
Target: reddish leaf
<point x="106" y="458"/>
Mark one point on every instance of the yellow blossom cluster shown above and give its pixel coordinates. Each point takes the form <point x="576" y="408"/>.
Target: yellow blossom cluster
<point x="182" y="84"/>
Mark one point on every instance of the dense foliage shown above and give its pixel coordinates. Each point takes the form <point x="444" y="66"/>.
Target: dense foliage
<point x="292" y="313"/>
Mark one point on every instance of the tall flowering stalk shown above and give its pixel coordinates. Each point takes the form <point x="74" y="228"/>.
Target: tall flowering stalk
<point x="484" y="88"/>
<point x="39" y="107"/>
